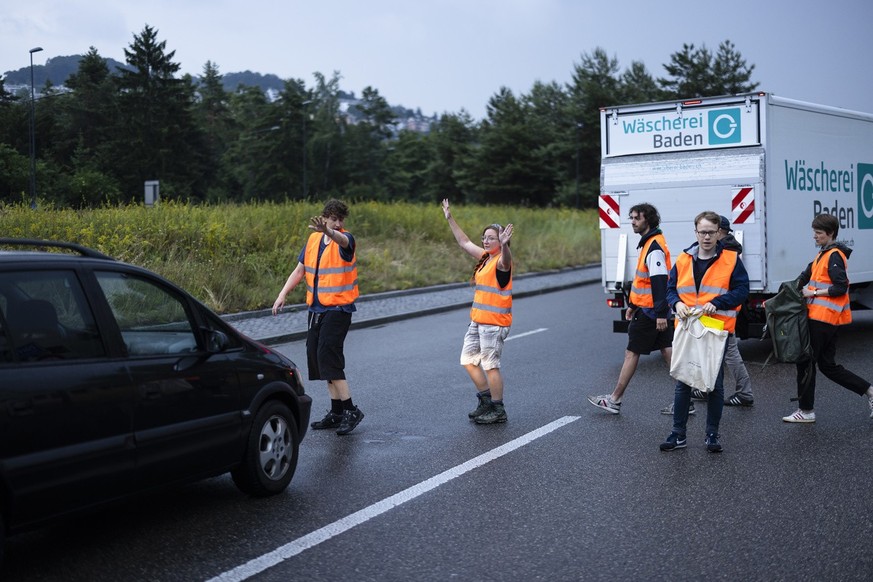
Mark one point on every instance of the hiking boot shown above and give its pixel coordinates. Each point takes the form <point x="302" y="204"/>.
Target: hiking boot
<point x="712" y="444"/>
<point x="484" y="406"/>
<point x="605" y="402"/>
<point x="350" y="420"/>
<point x="330" y="420"/>
<point x="496" y="413"/>
<point x="800" y="416"/>
<point x="673" y="442"/>
<point x="739" y="399"/>
<point x="669" y="409"/>
<point x="699" y="394"/>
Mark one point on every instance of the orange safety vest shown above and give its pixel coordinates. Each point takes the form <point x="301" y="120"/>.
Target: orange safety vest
<point x="716" y="281"/>
<point x="492" y="305"/>
<point x="337" y="278"/>
<point x="832" y="310"/>
<point x="641" y="288"/>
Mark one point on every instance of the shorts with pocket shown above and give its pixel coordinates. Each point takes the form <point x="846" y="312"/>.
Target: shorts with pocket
<point x="483" y="345"/>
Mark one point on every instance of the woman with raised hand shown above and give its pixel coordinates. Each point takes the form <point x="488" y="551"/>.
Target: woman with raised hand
<point x="491" y="315"/>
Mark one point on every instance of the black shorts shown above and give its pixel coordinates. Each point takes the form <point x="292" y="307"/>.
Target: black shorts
<point x="643" y="336"/>
<point x="324" y="344"/>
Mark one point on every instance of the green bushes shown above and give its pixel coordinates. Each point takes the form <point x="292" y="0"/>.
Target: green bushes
<point x="237" y="257"/>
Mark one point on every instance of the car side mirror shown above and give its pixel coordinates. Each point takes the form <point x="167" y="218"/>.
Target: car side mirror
<point x="216" y="341"/>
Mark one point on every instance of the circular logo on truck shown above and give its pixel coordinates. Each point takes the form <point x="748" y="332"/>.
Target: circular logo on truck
<point x="724" y="126"/>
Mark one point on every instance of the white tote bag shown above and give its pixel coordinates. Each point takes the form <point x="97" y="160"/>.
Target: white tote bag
<point x="698" y="352"/>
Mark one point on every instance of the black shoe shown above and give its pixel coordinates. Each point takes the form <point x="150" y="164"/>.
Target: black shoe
<point x="739" y="399"/>
<point x="699" y="394"/>
<point x="673" y="442"/>
<point x="350" y="420"/>
<point x="712" y="444"/>
<point x="330" y="420"/>
<point x="484" y="406"/>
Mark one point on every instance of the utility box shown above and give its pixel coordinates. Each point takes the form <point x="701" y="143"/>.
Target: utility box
<point x="152" y="192"/>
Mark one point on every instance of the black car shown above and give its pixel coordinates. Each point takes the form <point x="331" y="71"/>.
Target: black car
<point x="113" y="382"/>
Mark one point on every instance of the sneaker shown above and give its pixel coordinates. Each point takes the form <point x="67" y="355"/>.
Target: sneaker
<point x="712" y="444"/>
<point x="669" y="409"/>
<point x="605" y="402"/>
<point x="739" y="399"/>
<point x="673" y="442"/>
<point x="350" y="420"/>
<point x="800" y="416"/>
<point x="699" y="394"/>
<point x="496" y="413"/>
<point x="484" y="406"/>
<point x="330" y="420"/>
<point x="870" y="398"/>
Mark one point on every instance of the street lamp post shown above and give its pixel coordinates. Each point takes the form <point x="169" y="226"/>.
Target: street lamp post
<point x="303" y="110"/>
<point x="32" y="135"/>
<point x="579" y="127"/>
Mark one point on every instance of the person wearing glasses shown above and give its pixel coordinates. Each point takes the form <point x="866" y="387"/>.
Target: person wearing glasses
<point x="647" y="311"/>
<point x="491" y="315"/>
<point x="712" y="279"/>
<point x="826" y="289"/>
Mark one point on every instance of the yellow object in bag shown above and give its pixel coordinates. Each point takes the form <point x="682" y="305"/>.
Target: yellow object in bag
<point x="711" y="322"/>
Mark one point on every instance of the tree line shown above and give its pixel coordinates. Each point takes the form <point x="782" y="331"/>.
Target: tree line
<point x="110" y="131"/>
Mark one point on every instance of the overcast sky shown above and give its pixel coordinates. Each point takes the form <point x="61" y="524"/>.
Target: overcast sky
<point x="448" y="55"/>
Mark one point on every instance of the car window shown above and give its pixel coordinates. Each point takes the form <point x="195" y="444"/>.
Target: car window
<point x="152" y="320"/>
<point x="45" y="317"/>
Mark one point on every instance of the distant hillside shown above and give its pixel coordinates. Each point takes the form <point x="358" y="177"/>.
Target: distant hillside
<point x="58" y="69"/>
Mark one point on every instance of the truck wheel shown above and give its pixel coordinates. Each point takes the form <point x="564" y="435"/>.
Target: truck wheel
<point x="271" y="452"/>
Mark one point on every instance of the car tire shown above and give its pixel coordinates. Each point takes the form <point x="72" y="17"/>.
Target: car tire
<point x="271" y="452"/>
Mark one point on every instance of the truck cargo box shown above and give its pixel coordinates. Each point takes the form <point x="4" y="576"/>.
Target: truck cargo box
<point x="768" y="164"/>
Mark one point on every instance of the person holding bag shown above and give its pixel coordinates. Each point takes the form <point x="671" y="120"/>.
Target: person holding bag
<point x="706" y="278"/>
<point x="825" y="286"/>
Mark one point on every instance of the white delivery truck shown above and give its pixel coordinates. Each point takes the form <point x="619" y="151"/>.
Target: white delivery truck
<point x="767" y="163"/>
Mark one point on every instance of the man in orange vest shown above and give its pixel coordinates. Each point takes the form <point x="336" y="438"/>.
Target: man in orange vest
<point x="826" y="287"/>
<point x="709" y="278"/>
<point x="647" y="311"/>
<point x="328" y="264"/>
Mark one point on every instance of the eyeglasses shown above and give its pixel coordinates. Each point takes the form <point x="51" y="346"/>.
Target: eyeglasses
<point x="706" y="233"/>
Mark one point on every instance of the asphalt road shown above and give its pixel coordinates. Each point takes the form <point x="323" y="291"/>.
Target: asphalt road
<point x="562" y="491"/>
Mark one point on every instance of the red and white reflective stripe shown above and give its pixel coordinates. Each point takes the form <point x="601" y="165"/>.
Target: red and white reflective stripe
<point x="609" y="211"/>
<point x="743" y="206"/>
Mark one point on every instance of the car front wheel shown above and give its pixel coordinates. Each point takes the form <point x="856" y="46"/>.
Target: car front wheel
<point x="271" y="452"/>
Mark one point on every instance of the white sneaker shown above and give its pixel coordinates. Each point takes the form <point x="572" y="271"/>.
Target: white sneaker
<point x="870" y="398"/>
<point x="604" y="402"/>
<point x="800" y="416"/>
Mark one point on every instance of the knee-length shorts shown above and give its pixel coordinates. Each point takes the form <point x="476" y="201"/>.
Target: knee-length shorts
<point x="483" y="345"/>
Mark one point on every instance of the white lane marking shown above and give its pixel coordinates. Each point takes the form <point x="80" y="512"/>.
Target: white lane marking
<point x="331" y="530"/>
<point x="512" y="337"/>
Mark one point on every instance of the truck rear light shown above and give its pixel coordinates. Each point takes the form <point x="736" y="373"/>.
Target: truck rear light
<point x="756" y="304"/>
<point x="617" y="302"/>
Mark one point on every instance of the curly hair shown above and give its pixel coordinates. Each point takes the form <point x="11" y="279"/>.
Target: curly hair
<point x="336" y="208"/>
<point x="649" y="212"/>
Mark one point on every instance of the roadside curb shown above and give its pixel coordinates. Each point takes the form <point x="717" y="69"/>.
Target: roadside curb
<point x="291" y="336"/>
